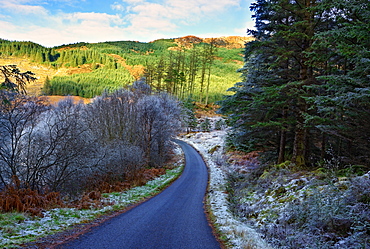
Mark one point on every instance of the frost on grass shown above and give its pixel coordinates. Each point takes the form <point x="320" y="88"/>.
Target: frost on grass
<point x="239" y="235"/>
<point x="303" y="210"/>
<point x="15" y="231"/>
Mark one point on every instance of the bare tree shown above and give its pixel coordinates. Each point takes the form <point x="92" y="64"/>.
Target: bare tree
<point x="169" y="126"/>
<point x="56" y="147"/>
<point x="17" y="120"/>
<point x="148" y="117"/>
<point x="42" y="146"/>
<point x="59" y="149"/>
<point x="159" y="121"/>
<point x="111" y="119"/>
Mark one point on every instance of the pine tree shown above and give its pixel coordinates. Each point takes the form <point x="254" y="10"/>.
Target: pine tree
<point x="343" y="94"/>
<point x="276" y="104"/>
<point x="46" y="89"/>
<point x="305" y="81"/>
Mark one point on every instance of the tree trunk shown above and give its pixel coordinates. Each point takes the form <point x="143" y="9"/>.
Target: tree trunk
<point x="323" y="146"/>
<point x="282" y="143"/>
<point x="299" y="148"/>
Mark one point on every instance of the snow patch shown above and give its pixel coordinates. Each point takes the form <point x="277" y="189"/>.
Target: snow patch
<point x="210" y="145"/>
<point x="58" y="219"/>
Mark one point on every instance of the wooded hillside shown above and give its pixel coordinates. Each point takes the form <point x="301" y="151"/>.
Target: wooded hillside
<point x="189" y="66"/>
<point x="305" y="88"/>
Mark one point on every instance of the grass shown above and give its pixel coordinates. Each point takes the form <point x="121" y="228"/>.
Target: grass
<point x="93" y="76"/>
<point x="19" y="228"/>
<point x="303" y="209"/>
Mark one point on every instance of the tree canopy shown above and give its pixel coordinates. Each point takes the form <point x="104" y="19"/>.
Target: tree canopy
<point x="305" y="84"/>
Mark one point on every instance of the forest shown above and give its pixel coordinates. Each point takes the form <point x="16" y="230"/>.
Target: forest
<point x="305" y="88"/>
<point x="303" y="106"/>
<point x="297" y="156"/>
<point x="48" y="152"/>
<point x="186" y="67"/>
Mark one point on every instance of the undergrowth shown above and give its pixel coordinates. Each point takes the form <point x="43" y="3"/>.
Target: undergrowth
<point x="19" y="228"/>
<point x="15" y="199"/>
<point x="303" y="209"/>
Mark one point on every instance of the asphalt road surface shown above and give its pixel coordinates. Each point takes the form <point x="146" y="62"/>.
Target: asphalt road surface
<point x="173" y="219"/>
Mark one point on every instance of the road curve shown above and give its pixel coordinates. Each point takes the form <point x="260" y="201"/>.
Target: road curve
<point x="173" y="219"/>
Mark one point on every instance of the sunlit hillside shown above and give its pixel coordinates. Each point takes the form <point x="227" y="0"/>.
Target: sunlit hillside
<point x="188" y="66"/>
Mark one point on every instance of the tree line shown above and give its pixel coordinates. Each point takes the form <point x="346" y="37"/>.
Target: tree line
<point x="183" y="73"/>
<point x="58" y="148"/>
<point x="202" y="72"/>
<point x="88" y="85"/>
<point x="305" y="91"/>
<point x="78" y="54"/>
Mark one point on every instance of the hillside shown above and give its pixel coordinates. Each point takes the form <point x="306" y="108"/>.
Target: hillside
<point x="229" y="42"/>
<point x="25" y="64"/>
<point x="182" y="66"/>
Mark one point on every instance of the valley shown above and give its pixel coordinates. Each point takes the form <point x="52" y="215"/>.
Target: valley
<point x="189" y="66"/>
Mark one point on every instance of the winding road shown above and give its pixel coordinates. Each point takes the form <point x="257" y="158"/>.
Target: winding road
<point x="173" y="219"/>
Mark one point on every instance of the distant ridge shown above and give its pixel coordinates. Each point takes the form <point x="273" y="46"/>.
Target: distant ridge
<point x="223" y="41"/>
<point x="87" y="69"/>
<point x="183" y="42"/>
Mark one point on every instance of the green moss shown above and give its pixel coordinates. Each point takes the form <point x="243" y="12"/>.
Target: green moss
<point x="353" y="170"/>
<point x="286" y="199"/>
<point x="11" y="218"/>
<point x="266" y="174"/>
<point x="279" y="191"/>
<point x="284" y="165"/>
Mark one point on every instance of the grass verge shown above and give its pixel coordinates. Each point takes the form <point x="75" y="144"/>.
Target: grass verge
<point x="18" y="228"/>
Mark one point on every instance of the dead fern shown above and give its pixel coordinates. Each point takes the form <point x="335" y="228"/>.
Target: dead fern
<point x="27" y="200"/>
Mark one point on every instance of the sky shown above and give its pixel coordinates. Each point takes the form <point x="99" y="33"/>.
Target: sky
<point x="56" y="22"/>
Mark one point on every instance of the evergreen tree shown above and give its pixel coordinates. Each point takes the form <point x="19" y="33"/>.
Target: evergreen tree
<point x="46" y="89"/>
<point x="342" y="96"/>
<point x="278" y="72"/>
<point x="305" y="80"/>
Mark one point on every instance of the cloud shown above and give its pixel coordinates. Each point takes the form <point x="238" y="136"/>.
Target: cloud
<point x="100" y="19"/>
<point x="133" y="1"/>
<point x="24" y="20"/>
<point x="142" y="20"/>
<point x="87" y="30"/>
<point x="118" y="7"/>
<point x="170" y="14"/>
<point x="16" y="7"/>
<point x="246" y="26"/>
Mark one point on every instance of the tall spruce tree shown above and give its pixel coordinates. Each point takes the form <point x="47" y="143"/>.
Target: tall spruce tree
<point x="284" y="33"/>
<point x="342" y="53"/>
<point x="305" y="81"/>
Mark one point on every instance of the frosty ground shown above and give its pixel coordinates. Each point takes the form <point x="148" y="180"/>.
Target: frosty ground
<point x="210" y="145"/>
<point x="237" y="234"/>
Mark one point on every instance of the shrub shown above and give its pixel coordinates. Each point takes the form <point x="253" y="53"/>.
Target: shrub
<point x="304" y="209"/>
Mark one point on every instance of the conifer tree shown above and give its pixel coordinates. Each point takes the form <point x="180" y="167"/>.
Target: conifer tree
<point x="277" y="103"/>
<point x="342" y="52"/>
<point x="305" y="81"/>
<point x="46" y="89"/>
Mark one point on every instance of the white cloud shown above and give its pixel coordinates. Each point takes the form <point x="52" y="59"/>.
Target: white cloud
<point x="118" y="7"/>
<point x="171" y="13"/>
<point x="87" y="30"/>
<point x="247" y="25"/>
<point x="132" y="1"/>
<point x="100" y="19"/>
<point x="16" y="7"/>
<point x="136" y="20"/>
<point x="66" y="28"/>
